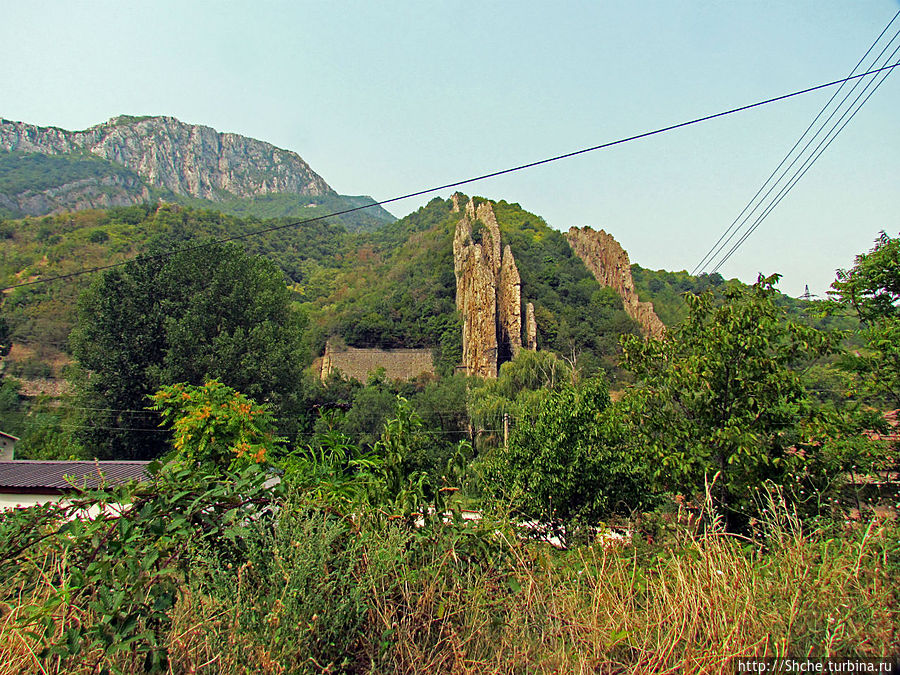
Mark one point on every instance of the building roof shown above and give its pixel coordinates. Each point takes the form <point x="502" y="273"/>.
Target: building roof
<point x="25" y="474"/>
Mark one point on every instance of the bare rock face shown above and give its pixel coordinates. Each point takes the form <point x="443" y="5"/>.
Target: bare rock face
<point x="608" y="262"/>
<point x="488" y="290"/>
<point x="509" y="308"/>
<point x="530" y="328"/>
<point x="187" y="159"/>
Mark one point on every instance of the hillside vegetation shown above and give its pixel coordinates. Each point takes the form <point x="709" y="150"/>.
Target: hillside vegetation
<point x="34" y="183"/>
<point x="393" y="287"/>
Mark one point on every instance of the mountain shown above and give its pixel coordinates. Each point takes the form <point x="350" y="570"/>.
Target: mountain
<point x="393" y="287"/>
<point x="129" y="160"/>
<point x="459" y="276"/>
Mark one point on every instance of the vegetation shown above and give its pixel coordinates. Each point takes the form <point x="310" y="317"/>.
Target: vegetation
<point x="568" y="463"/>
<point x="724" y="501"/>
<point x="205" y="312"/>
<point x="871" y="291"/>
<point x="718" y="399"/>
<point x="31" y="172"/>
<point x="334" y="575"/>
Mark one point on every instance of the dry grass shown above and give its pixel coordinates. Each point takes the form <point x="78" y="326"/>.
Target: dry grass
<point x="689" y="612"/>
<point x="688" y="607"/>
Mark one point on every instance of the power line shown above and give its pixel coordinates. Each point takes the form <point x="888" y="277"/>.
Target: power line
<point x="737" y="223"/>
<point x="466" y="181"/>
<point x="823" y="145"/>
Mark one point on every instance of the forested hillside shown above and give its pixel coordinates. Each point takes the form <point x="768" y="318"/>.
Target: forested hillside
<point x="392" y="287"/>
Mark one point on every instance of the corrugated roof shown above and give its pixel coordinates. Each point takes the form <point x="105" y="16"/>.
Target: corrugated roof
<point x="26" y="473"/>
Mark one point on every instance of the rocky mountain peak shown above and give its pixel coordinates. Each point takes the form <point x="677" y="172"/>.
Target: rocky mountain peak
<point x="187" y="159"/>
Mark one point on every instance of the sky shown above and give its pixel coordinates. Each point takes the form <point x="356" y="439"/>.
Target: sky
<point x="391" y="97"/>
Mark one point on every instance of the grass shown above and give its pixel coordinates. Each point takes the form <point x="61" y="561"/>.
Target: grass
<point x="321" y="594"/>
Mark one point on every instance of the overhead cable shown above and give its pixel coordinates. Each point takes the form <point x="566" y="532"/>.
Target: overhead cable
<point x="466" y="181"/>
<point x="747" y="212"/>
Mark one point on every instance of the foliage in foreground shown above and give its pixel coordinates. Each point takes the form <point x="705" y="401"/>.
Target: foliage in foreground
<point x="207" y="568"/>
<point x="569" y="462"/>
<point x="316" y="589"/>
<point x="721" y="400"/>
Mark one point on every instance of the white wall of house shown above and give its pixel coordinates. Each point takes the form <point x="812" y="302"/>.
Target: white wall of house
<point x="13" y="500"/>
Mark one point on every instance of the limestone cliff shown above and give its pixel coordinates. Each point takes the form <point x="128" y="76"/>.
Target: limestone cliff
<point x="186" y="159"/>
<point x="608" y="262"/>
<point x="530" y="328"/>
<point x="88" y="193"/>
<point x="488" y="291"/>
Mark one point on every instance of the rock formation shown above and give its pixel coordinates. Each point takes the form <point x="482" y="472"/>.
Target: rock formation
<point x="115" y="189"/>
<point x="488" y="291"/>
<point x="609" y="264"/>
<point x="509" y="305"/>
<point x="530" y="328"/>
<point x="186" y="159"/>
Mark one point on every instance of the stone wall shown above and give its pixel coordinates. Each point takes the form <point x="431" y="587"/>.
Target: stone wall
<point x="398" y="364"/>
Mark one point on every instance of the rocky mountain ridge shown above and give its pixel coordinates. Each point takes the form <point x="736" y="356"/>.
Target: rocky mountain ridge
<point x="185" y="159"/>
<point x="608" y="262"/>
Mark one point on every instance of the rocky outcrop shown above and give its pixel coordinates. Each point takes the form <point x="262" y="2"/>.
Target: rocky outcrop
<point x="88" y="193"/>
<point x="509" y="308"/>
<point x="609" y="264"/>
<point x="488" y="290"/>
<point x="187" y="159"/>
<point x="530" y="328"/>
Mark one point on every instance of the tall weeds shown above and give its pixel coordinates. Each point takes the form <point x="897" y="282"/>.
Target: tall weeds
<point x="325" y="593"/>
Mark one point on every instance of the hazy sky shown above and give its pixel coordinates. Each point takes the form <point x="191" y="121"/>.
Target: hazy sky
<point x="385" y="98"/>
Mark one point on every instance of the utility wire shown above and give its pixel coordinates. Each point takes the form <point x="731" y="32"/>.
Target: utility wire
<point x="797" y="176"/>
<point x="717" y="248"/>
<point x="467" y="181"/>
<point x="817" y="152"/>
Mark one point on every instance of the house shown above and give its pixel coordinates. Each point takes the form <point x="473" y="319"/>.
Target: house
<point x="26" y="482"/>
<point x="7" y="446"/>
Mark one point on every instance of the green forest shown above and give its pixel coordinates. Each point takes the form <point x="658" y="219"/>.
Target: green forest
<point x="609" y="503"/>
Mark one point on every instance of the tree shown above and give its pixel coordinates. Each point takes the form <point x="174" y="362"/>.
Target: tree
<point x="872" y="286"/>
<point x="216" y="427"/>
<point x="718" y="395"/>
<point x="5" y="338"/>
<point x="518" y="389"/>
<point x="871" y="289"/>
<point x="208" y="312"/>
<point x="569" y="462"/>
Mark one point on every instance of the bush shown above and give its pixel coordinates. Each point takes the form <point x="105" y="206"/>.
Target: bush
<point x="98" y="236"/>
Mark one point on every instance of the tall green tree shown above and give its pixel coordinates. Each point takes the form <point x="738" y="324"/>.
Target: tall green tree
<point x="719" y="395"/>
<point x="871" y="289"/>
<point x="210" y="312"/>
<point x="569" y="462"/>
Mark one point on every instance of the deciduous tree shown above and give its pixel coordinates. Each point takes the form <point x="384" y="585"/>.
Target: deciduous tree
<point x="206" y="312"/>
<point x="718" y="395"/>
